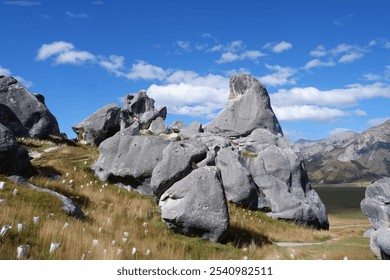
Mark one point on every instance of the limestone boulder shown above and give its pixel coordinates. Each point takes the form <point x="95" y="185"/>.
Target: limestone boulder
<point x="101" y="125"/>
<point x="193" y="129"/>
<point x="26" y="109"/>
<point x="196" y="205"/>
<point x="277" y="168"/>
<point x="158" y="126"/>
<point x="178" y="126"/>
<point x="178" y="160"/>
<point x="248" y="108"/>
<point x="236" y="179"/>
<point x="130" y="160"/>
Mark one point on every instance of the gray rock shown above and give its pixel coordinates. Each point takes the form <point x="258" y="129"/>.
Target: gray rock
<point x="29" y="110"/>
<point x="278" y="170"/>
<point x="193" y="129"/>
<point x="237" y="181"/>
<point x="11" y="121"/>
<point x="129" y="160"/>
<point x="158" y="126"/>
<point x="376" y="204"/>
<point x="196" y="205"/>
<point x="70" y="207"/>
<point x="133" y="129"/>
<point x="383" y="241"/>
<point x="13" y="158"/>
<point x="248" y="108"/>
<point x="101" y="125"/>
<point x="178" y="126"/>
<point x="179" y="159"/>
<point x="149" y="116"/>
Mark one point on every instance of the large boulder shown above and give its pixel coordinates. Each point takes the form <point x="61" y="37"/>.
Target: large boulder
<point x="26" y="109"/>
<point x="158" y="126"/>
<point x="237" y="180"/>
<point x="130" y="160"/>
<point x="278" y="170"/>
<point x="101" y="125"/>
<point x="196" y="205"/>
<point x="13" y="158"/>
<point x="376" y="206"/>
<point x="179" y="159"/>
<point x="248" y="108"/>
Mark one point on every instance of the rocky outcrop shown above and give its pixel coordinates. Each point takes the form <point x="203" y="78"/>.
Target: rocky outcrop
<point x="248" y="108"/>
<point x="242" y="158"/>
<point x="376" y="206"/>
<point x="178" y="126"/>
<point x="25" y="113"/>
<point x="196" y="205"/>
<point x="349" y="156"/>
<point x="101" y="125"/>
<point x="13" y="158"/>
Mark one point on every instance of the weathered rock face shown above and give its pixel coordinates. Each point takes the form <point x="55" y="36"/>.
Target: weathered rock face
<point x="101" y="125"/>
<point x="196" y="205"/>
<point x="248" y="108"/>
<point x="13" y="158"/>
<point x="237" y="181"/>
<point x="191" y="130"/>
<point x="130" y="160"/>
<point x="26" y="109"/>
<point x="277" y="169"/>
<point x="179" y="159"/>
<point x="158" y="126"/>
<point x="376" y="206"/>
<point x="178" y="126"/>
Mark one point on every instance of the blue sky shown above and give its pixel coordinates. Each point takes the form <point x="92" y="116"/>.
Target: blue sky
<point x="326" y="64"/>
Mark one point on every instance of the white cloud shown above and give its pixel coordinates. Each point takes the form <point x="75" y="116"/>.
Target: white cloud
<point x="113" y="64"/>
<point x="279" y="47"/>
<point x="359" y="112"/>
<point x="378" y="121"/>
<point x="372" y="77"/>
<point x="97" y="3"/>
<point x="55" y="48"/>
<point x="341" y="97"/>
<point x="145" y="71"/>
<point x="187" y="93"/>
<point x="338" y="131"/>
<point x="4" y="72"/>
<point x="73" y="15"/>
<point x="307" y="112"/>
<point x="342" y="20"/>
<point x="350" y="57"/>
<point x="317" y="63"/>
<point x="23" y="3"/>
<point x="185" y="45"/>
<point x="230" y="56"/>
<point x="233" y="46"/>
<point x="319" y="51"/>
<point x="280" y="76"/>
<point x="74" y="57"/>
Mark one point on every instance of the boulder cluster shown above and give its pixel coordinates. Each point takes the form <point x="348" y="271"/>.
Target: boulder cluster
<point x="376" y="206"/>
<point x="22" y="114"/>
<point x="192" y="172"/>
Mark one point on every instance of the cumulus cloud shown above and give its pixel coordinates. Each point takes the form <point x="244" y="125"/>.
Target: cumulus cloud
<point x="188" y="93"/>
<point x="23" y="3"/>
<point x="63" y="53"/>
<point x="146" y="71"/>
<point x="278" y="47"/>
<point x="350" y="57"/>
<point x="279" y="76"/>
<point x="307" y="112"/>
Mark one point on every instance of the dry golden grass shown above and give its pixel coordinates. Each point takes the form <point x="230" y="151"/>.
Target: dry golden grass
<point x="120" y="221"/>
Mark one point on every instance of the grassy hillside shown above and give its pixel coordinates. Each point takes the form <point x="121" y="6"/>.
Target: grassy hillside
<point x="118" y="221"/>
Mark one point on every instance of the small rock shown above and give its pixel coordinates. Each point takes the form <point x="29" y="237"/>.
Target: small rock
<point x="4" y="230"/>
<point x="23" y="251"/>
<point x="54" y="246"/>
<point x="2" y="185"/>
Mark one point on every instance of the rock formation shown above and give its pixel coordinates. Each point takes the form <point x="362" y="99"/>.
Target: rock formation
<point x="138" y="114"/>
<point x="24" y="113"/>
<point x="101" y="125"/>
<point x="376" y="206"/>
<point x="242" y="157"/>
<point x="349" y="156"/>
<point x="248" y="108"/>
<point x="13" y="158"/>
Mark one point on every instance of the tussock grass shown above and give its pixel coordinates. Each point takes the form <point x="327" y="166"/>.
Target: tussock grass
<point x="120" y="220"/>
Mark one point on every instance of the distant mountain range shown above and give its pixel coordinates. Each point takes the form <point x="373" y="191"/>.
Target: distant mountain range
<point x="349" y="156"/>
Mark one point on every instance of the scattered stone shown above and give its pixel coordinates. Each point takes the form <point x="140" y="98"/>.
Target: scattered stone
<point x="4" y="230"/>
<point x="53" y="247"/>
<point x="178" y="126"/>
<point x="22" y="252"/>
